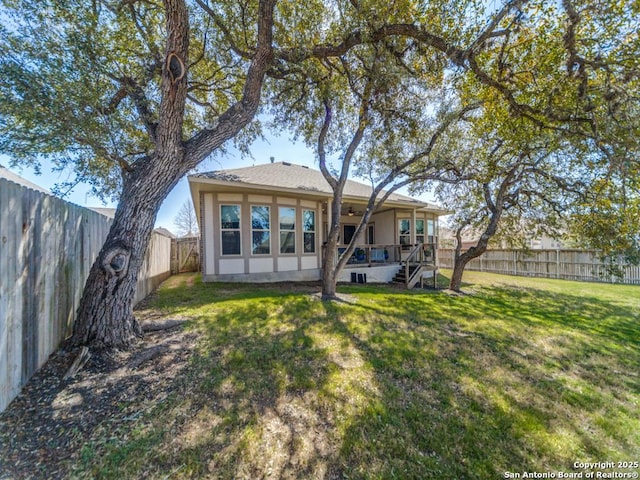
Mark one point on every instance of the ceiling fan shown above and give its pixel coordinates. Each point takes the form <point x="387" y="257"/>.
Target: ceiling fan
<point x="351" y="212"/>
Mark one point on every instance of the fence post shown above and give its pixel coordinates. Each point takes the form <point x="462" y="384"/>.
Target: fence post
<point x="515" y="262"/>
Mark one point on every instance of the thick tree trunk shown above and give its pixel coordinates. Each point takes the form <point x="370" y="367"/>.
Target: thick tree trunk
<point x="330" y="270"/>
<point x="462" y="259"/>
<point x="105" y="315"/>
<point x="329" y="281"/>
<point x="458" y="269"/>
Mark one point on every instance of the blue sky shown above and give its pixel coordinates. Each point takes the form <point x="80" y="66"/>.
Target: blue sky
<point x="281" y="148"/>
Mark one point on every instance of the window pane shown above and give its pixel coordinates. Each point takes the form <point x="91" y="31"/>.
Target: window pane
<point x="260" y="218"/>
<point x="309" y="220"/>
<point x="404" y="226"/>
<point x="287" y="242"/>
<point x="420" y="238"/>
<point x="287" y="218"/>
<point x="260" y="243"/>
<point x="230" y="216"/>
<point x="231" y="243"/>
<point x="420" y="227"/>
<point x="405" y="239"/>
<point x="309" y="243"/>
<point x="430" y="227"/>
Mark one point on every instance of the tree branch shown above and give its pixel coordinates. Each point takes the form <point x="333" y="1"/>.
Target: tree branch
<point x="225" y="31"/>
<point x="242" y="112"/>
<point x="490" y="29"/>
<point x="322" y="154"/>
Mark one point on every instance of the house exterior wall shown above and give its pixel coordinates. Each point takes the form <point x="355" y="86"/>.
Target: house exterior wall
<point x="389" y="234"/>
<point x="247" y="266"/>
<point x="385" y="230"/>
<point x="377" y="274"/>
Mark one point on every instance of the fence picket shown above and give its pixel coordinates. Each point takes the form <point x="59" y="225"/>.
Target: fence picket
<point x="47" y="247"/>
<point x="567" y="264"/>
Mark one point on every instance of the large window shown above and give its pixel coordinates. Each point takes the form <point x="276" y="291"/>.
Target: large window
<point x="404" y="231"/>
<point x="431" y="231"/>
<point x="230" y="229"/>
<point x="309" y="230"/>
<point x="260" y="230"/>
<point x="419" y="231"/>
<point x="287" y="218"/>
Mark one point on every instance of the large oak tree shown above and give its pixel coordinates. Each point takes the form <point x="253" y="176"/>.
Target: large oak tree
<point x="131" y="95"/>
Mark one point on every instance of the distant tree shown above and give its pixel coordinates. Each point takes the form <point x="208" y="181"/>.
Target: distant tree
<point x="506" y="188"/>
<point x="186" y="222"/>
<point x="608" y="221"/>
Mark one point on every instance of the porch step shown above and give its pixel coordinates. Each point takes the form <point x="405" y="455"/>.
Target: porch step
<point x="400" y="276"/>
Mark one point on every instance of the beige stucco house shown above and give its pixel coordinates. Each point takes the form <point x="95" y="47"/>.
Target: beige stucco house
<point x="268" y="223"/>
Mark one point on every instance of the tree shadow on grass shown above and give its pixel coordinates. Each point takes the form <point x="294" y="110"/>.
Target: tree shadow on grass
<point x="277" y="384"/>
<point x="404" y="385"/>
<point x="252" y="403"/>
<point x="509" y="380"/>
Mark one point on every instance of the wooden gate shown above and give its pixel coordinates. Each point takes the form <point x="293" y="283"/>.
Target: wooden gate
<point x="185" y="255"/>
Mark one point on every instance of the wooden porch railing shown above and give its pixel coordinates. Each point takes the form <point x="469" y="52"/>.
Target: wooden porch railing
<point x="422" y="257"/>
<point x="414" y="259"/>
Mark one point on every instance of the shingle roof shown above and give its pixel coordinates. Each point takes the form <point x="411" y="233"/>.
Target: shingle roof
<point x="296" y="177"/>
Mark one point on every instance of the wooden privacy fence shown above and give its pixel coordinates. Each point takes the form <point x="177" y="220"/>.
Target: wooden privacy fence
<point x="185" y="255"/>
<point x="565" y="264"/>
<point x="47" y="247"/>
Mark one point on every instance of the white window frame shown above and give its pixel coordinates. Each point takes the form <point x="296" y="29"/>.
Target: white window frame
<point x="418" y="234"/>
<point x="268" y="207"/>
<point x="239" y="229"/>
<point x="431" y="232"/>
<point x="281" y="230"/>
<point x="401" y="235"/>
<point x="314" y="231"/>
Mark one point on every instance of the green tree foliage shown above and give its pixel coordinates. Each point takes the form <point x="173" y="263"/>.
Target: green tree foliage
<point x="512" y="183"/>
<point x="569" y="75"/>
<point x="380" y="108"/>
<point x="131" y="95"/>
<point x="609" y="222"/>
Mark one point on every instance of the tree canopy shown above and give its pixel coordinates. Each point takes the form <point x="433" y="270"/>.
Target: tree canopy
<point x="133" y="94"/>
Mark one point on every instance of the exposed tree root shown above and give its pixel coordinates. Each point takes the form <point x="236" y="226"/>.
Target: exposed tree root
<point x="78" y="363"/>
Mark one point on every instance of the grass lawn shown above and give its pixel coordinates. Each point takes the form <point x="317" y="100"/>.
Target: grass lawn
<point x="519" y="375"/>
